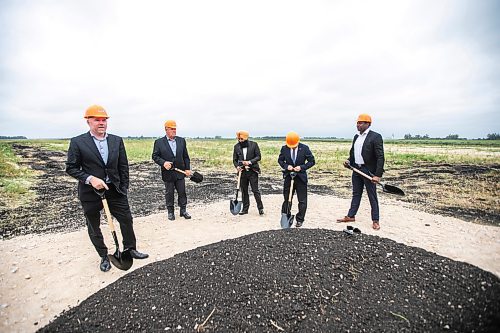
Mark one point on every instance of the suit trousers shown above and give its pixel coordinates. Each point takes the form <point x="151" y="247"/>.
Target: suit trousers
<point x="120" y="209"/>
<point x="358" y="182"/>
<point x="180" y="186"/>
<point x="300" y="188"/>
<point x="251" y="177"/>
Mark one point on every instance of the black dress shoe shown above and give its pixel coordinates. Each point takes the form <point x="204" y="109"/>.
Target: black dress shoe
<point x="105" y="264"/>
<point x="243" y="212"/>
<point x="186" y="215"/>
<point x="171" y="216"/>
<point x="261" y="211"/>
<point x="298" y="224"/>
<point x="138" y="255"/>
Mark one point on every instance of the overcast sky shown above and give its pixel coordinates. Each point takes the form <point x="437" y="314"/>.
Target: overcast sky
<point x="420" y="67"/>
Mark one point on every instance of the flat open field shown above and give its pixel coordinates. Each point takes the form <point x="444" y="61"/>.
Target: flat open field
<point x="456" y="180"/>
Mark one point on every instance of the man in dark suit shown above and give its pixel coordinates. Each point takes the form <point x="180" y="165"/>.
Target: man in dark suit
<point x="295" y="157"/>
<point x="246" y="156"/>
<point x="367" y="155"/>
<point x="170" y="153"/>
<point x="99" y="161"/>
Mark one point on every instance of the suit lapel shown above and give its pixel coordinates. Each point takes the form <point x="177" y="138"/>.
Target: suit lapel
<point x="89" y="141"/>
<point x="177" y="147"/>
<point x="112" y="148"/>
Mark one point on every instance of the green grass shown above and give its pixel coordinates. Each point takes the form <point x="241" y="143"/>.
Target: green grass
<point x="216" y="155"/>
<point x="15" y="180"/>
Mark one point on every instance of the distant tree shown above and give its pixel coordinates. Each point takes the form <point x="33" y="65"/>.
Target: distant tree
<point x="3" y="137"/>
<point x="493" y="136"/>
<point x="452" y="137"/>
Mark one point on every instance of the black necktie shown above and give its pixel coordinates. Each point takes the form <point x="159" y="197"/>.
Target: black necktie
<point x="294" y="153"/>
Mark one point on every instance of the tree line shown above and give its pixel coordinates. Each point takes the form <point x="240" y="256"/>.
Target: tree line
<point x="490" y="136"/>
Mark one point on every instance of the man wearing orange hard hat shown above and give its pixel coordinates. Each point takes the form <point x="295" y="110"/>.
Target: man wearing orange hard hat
<point x="294" y="159"/>
<point x="246" y="157"/>
<point x="367" y="155"/>
<point x="170" y="153"/>
<point x="99" y="161"/>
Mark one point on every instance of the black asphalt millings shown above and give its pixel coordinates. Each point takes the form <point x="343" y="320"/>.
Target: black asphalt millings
<point x="308" y="280"/>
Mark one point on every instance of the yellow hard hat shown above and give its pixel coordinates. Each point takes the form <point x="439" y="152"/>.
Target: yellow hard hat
<point x="365" y="117"/>
<point x="95" y="111"/>
<point x="170" y="124"/>
<point x="292" y="139"/>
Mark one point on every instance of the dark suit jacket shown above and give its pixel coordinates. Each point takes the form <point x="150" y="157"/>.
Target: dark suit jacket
<point x="84" y="160"/>
<point x="304" y="159"/>
<point x="372" y="152"/>
<point x="162" y="152"/>
<point x="253" y="155"/>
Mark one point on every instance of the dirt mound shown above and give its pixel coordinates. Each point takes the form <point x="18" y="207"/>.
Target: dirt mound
<point x="301" y="280"/>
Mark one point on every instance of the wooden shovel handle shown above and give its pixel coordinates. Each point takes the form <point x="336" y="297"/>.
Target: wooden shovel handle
<point x="239" y="178"/>
<point x="181" y="171"/>
<point x="108" y="215"/>
<point x="291" y="192"/>
<point x="361" y="173"/>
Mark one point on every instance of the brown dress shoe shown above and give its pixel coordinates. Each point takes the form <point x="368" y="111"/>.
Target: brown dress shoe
<point x="376" y="225"/>
<point x="346" y="219"/>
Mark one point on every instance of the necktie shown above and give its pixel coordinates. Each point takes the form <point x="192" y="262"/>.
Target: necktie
<point x="294" y="154"/>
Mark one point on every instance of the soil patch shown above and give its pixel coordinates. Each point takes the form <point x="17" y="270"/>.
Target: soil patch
<point x="310" y="280"/>
<point x="468" y="192"/>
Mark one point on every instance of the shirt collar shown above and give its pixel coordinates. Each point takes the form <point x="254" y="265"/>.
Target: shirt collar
<point x="365" y="132"/>
<point x="95" y="138"/>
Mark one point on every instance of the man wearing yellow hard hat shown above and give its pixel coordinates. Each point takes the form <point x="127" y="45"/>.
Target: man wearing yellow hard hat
<point x="99" y="161"/>
<point x="246" y="157"/>
<point x="170" y="153"/>
<point x="294" y="159"/>
<point x="367" y="155"/>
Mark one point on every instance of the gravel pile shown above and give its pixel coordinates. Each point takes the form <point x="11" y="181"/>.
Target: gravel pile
<point x="300" y="280"/>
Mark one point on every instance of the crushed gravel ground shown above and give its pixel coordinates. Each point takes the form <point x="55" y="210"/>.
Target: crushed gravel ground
<point x="300" y="280"/>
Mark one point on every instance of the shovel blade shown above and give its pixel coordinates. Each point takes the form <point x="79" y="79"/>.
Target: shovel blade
<point x="197" y="177"/>
<point x="286" y="220"/>
<point x="235" y="207"/>
<point x="392" y="190"/>
<point x="121" y="260"/>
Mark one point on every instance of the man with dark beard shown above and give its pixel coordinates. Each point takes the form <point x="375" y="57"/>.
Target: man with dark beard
<point x="246" y="156"/>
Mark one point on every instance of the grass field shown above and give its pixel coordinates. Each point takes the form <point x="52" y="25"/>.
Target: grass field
<point x="461" y="174"/>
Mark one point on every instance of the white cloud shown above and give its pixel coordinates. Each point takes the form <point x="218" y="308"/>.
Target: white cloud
<point x="268" y="66"/>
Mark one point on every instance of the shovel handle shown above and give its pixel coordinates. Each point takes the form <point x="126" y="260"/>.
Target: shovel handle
<point x="291" y="192"/>
<point x="179" y="170"/>
<point x="360" y="172"/>
<point x="239" y="178"/>
<point x="108" y="215"/>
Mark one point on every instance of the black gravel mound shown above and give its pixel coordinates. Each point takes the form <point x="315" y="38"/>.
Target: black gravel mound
<point x="307" y="280"/>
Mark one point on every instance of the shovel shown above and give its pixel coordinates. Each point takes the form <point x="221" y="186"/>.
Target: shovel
<point x="234" y="205"/>
<point x="121" y="260"/>
<point x="287" y="218"/>
<point x="195" y="176"/>
<point x="385" y="187"/>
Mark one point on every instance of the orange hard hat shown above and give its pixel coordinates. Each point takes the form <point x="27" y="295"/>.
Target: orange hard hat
<point x="242" y="134"/>
<point x="365" y="117"/>
<point x="292" y="139"/>
<point x="95" y="111"/>
<point x="170" y="124"/>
